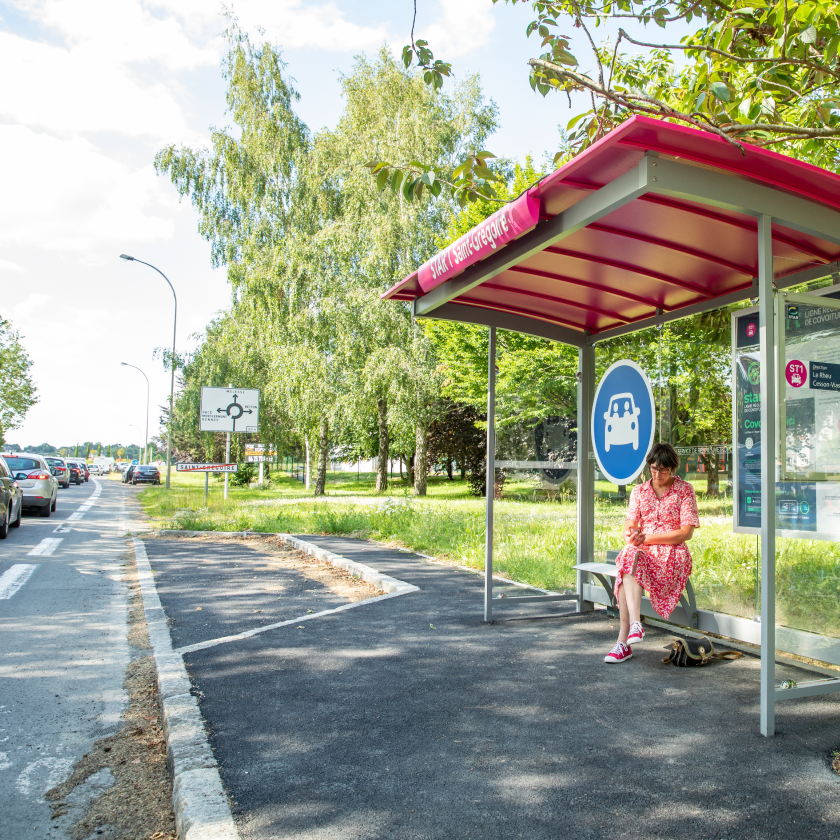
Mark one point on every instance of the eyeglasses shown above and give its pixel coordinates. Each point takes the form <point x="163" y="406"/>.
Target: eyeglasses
<point x="659" y="471"/>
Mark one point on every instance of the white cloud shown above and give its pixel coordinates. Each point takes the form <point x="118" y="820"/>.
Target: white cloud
<point x="66" y="194"/>
<point x="465" y="26"/>
<point x="126" y="31"/>
<point x="67" y="92"/>
<point x="8" y="265"/>
<point x="294" y="24"/>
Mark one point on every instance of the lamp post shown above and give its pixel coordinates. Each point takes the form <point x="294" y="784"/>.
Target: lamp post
<point x="172" y="383"/>
<point x="146" y="446"/>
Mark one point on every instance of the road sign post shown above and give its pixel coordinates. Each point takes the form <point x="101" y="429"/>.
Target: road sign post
<point x="230" y="410"/>
<point x="207" y="469"/>
<point x="227" y="458"/>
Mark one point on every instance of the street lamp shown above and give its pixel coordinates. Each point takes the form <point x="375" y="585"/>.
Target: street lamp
<point x="172" y="383"/>
<point x="146" y="447"/>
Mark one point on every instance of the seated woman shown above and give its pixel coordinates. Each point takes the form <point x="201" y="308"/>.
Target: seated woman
<point x="660" y="520"/>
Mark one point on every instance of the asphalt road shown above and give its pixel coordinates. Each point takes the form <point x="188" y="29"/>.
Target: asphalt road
<point x="64" y="649"/>
<point x="409" y="718"/>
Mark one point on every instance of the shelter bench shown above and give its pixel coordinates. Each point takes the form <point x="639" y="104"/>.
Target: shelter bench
<point x="606" y="573"/>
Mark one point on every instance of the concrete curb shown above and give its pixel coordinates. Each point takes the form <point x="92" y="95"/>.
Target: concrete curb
<point x="368" y="574"/>
<point x="359" y="570"/>
<point x="198" y="798"/>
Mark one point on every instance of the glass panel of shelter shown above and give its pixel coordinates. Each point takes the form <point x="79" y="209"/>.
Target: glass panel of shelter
<point x="725" y="565"/>
<point x="535" y="513"/>
<point x="808" y="489"/>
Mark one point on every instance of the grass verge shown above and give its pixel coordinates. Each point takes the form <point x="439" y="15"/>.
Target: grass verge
<point x="535" y="536"/>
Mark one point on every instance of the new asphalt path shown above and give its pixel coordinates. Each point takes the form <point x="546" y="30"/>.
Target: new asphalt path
<point x="411" y="718"/>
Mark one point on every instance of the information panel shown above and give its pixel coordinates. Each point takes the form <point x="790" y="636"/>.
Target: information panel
<point x="258" y="452"/>
<point x="807" y="497"/>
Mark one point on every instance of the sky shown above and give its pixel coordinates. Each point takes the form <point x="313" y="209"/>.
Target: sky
<point x="92" y="90"/>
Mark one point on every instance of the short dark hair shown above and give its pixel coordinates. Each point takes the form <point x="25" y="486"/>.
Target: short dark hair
<point x="663" y="456"/>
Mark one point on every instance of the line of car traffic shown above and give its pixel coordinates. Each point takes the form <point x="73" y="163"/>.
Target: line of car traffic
<point x="31" y="481"/>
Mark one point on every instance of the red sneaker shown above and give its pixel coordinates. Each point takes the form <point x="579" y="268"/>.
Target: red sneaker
<point x="619" y="653"/>
<point x="637" y="633"/>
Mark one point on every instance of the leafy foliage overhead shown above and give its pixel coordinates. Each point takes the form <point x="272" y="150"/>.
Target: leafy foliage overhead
<point x="759" y="71"/>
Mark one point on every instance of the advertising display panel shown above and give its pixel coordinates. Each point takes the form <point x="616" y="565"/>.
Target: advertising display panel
<point x="807" y="502"/>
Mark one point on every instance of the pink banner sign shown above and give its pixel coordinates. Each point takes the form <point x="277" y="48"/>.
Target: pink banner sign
<point x="497" y="230"/>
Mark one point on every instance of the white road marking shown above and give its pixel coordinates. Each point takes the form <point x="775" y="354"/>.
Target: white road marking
<point x="46" y="547"/>
<point x="223" y="640"/>
<point x="86" y="505"/>
<point x="13" y="578"/>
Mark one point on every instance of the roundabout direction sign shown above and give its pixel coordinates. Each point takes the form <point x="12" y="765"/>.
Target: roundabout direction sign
<point x="623" y="422"/>
<point x="230" y="410"/>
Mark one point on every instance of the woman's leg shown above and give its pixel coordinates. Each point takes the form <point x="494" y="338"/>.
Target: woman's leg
<point x="633" y="598"/>
<point x="623" y="612"/>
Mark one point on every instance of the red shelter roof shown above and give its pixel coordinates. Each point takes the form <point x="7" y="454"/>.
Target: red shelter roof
<point x="652" y="219"/>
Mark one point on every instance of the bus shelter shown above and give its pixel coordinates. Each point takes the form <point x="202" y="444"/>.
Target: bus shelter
<point x="653" y="223"/>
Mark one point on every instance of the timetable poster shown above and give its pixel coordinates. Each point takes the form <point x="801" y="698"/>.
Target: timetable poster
<point x="807" y="501"/>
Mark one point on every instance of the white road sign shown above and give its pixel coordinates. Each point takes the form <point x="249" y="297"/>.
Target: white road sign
<point x="230" y="410"/>
<point x="213" y="468"/>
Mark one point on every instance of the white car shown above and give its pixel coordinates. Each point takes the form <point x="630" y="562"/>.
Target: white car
<point x="95" y="469"/>
<point x="622" y="422"/>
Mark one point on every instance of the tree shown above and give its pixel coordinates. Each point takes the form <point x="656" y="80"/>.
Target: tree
<point x="764" y="73"/>
<point x="455" y="438"/>
<point x="378" y="236"/>
<point x="17" y="390"/>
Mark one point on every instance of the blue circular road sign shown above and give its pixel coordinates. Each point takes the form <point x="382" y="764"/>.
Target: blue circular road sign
<point x="623" y="422"/>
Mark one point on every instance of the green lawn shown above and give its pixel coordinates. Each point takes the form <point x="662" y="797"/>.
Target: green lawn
<point x="535" y="537"/>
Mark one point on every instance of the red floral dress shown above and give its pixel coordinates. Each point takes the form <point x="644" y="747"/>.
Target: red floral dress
<point x="662" y="570"/>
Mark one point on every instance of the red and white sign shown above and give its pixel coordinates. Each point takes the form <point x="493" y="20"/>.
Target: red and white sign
<point x="796" y="373"/>
<point x="497" y="230"/>
<point x="751" y="330"/>
<point x="214" y="468"/>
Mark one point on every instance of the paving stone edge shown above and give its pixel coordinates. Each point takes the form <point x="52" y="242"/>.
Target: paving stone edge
<point x="201" y="807"/>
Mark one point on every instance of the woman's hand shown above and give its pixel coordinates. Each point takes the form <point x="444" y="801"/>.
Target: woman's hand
<point x="632" y="535"/>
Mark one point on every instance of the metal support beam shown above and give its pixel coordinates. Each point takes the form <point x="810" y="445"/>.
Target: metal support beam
<point x="601" y="203"/>
<point x="586" y="470"/>
<point x="808" y="689"/>
<point x="767" y="363"/>
<point x="805" y="275"/>
<point x="505" y="321"/>
<point x="693" y="183"/>
<point x="490" y="480"/>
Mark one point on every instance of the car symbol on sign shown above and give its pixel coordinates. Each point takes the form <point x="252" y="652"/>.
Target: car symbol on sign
<point x="622" y="424"/>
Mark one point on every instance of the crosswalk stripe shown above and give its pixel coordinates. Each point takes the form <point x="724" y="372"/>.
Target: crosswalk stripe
<point x="46" y="547"/>
<point x="13" y="578"/>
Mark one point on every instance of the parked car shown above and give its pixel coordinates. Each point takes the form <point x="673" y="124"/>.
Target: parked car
<point x="146" y="474"/>
<point x="76" y="473"/>
<point x="11" y="500"/>
<point x="59" y="468"/>
<point x="33" y="475"/>
<point x="128" y="474"/>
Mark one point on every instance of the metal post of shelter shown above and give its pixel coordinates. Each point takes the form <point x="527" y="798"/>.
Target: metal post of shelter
<point x="585" y="470"/>
<point x="490" y="479"/>
<point x="767" y="362"/>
